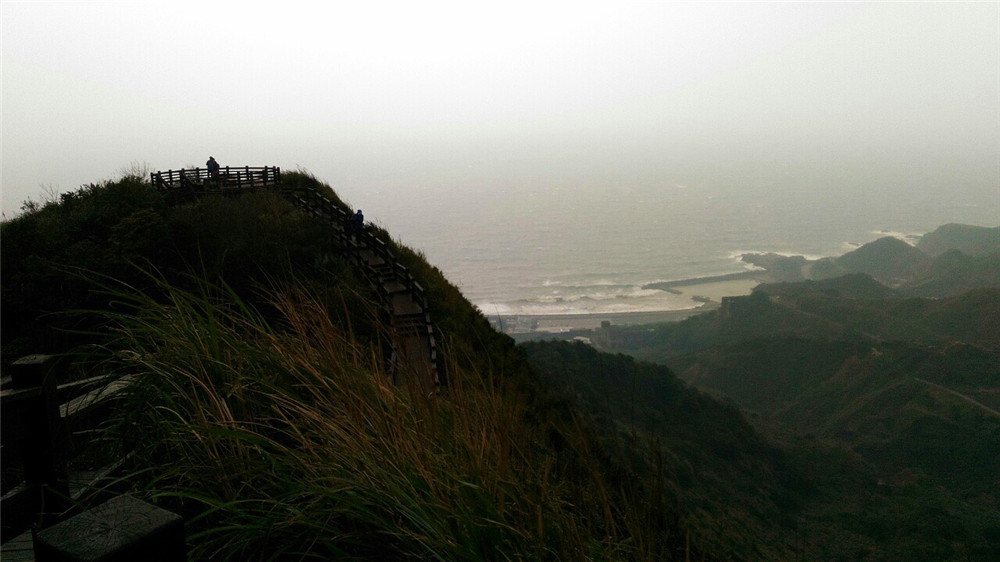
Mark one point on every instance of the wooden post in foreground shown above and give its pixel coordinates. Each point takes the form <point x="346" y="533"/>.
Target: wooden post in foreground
<point x="43" y="445"/>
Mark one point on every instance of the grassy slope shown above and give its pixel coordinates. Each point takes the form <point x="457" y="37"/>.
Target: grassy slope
<point x="729" y="484"/>
<point x="258" y="350"/>
<point x="262" y="412"/>
<point x="884" y="402"/>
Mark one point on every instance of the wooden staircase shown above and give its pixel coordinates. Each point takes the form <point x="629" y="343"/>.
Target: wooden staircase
<point x="403" y="302"/>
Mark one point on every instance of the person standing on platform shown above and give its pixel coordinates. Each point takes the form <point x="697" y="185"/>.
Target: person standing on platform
<point x="213" y="168"/>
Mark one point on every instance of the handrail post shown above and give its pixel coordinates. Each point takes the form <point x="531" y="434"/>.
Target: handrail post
<point x="43" y="445"/>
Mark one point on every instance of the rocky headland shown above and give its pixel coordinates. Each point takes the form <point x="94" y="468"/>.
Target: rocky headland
<point x="945" y="262"/>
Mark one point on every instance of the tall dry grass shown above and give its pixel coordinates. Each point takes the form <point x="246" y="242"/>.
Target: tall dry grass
<point x="288" y="440"/>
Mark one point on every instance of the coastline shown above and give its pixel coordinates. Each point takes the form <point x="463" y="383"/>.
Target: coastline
<point x="564" y="323"/>
<point x="706" y="294"/>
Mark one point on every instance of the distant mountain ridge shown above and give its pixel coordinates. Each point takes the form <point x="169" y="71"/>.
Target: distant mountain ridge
<point x="887" y="259"/>
<point x="907" y="388"/>
<point x="968" y="239"/>
<point x="575" y="455"/>
<point x="951" y="260"/>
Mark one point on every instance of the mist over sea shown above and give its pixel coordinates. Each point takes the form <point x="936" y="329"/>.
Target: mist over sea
<point x="559" y="246"/>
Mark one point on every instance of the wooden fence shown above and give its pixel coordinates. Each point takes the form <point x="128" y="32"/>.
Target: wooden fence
<point x="404" y="300"/>
<point x="53" y="468"/>
<point x="229" y="178"/>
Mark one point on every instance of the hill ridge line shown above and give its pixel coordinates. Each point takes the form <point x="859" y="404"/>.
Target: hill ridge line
<point x="960" y="395"/>
<point x="403" y="300"/>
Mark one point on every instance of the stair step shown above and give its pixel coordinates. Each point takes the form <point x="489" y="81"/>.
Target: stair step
<point x="403" y="296"/>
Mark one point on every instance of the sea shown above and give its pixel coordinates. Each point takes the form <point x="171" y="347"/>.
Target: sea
<point x="563" y="247"/>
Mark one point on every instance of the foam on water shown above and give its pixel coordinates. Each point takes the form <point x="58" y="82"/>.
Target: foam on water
<point x="910" y="238"/>
<point x="580" y="250"/>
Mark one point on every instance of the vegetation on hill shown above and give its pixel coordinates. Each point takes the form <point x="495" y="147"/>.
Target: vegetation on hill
<point x="919" y="419"/>
<point x="264" y="413"/>
<point x="735" y="491"/>
<point x="118" y="228"/>
<point x="918" y="483"/>
<point x="263" y="410"/>
<point x="900" y="394"/>
<point x="968" y="239"/>
<point x="287" y="440"/>
<point x="954" y="273"/>
<point x="887" y="259"/>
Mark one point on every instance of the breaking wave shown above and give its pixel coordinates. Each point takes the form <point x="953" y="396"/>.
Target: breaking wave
<point x="600" y="297"/>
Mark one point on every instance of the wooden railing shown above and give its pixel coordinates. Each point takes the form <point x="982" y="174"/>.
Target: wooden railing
<point x="48" y="424"/>
<point x="228" y="178"/>
<point x="403" y="298"/>
<point x="406" y="316"/>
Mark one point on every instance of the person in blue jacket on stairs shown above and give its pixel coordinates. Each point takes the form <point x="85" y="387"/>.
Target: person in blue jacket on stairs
<point x="357" y="224"/>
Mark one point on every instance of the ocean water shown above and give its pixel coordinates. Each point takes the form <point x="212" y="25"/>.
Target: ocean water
<point x="585" y="247"/>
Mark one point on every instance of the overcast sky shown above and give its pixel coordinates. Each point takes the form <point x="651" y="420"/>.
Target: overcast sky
<point x="378" y="96"/>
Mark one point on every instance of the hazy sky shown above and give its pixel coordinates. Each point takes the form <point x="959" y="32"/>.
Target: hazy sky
<point x="379" y="97"/>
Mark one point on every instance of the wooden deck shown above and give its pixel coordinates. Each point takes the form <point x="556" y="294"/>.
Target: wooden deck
<point x="229" y="179"/>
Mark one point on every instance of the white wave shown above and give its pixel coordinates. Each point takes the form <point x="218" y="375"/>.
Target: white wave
<point x="738" y="256"/>
<point x="634" y="299"/>
<point x="493" y="308"/>
<point x="576" y="284"/>
<point x="910" y="238"/>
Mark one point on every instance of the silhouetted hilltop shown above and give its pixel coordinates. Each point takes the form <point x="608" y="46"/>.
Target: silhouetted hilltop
<point x="888" y="259"/>
<point x="970" y="240"/>
<point x="857" y="286"/>
<point x="947" y="262"/>
<point x="267" y="401"/>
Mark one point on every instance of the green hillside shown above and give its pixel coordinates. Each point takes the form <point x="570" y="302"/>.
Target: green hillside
<point x="953" y="273"/>
<point x="264" y="410"/>
<point x="915" y="481"/>
<point x="970" y="240"/>
<point x="906" y="389"/>
<point x="269" y="409"/>
<point x="735" y="490"/>
<point x="888" y="259"/>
